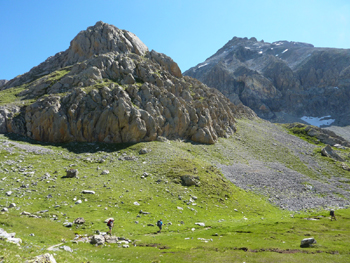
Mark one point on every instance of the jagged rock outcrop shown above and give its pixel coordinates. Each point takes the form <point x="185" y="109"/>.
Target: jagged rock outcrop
<point x="323" y="135"/>
<point x="328" y="151"/>
<point x="281" y="80"/>
<point x="108" y="87"/>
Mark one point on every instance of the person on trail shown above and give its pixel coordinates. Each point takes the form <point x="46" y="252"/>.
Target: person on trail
<point x="160" y="224"/>
<point x="110" y="225"/>
<point x="332" y="215"/>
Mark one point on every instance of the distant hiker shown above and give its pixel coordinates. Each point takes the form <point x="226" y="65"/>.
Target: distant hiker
<point x="160" y="224"/>
<point x="110" y="225"/>
<point x="332" y="215"/>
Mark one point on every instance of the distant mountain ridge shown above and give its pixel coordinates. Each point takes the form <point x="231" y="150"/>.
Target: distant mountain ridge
<point x="281" y="81"/>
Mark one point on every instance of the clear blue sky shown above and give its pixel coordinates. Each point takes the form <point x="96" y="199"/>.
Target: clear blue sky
<point x="188" y="31"/>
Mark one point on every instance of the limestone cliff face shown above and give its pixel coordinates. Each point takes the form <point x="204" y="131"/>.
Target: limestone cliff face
<point x="108" y="87"/>
<point x="290" y="77"/>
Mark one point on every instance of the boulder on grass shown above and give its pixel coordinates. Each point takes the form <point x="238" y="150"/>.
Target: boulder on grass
<point x="97" y="239"/>
<point x="71" y="173"/>
<point x="46" y="258"/>
<point x="188" y="180"/>
<point x="143" y="151"/>
<point x="88" y="192"/>
<point x="79" y="221"/>
<point x="111" y="239"/>
<point x="307" y="242"/>
<point x="328" y="151"/>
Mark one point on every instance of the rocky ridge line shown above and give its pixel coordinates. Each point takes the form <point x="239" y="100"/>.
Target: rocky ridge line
<point x="281" y="80"/>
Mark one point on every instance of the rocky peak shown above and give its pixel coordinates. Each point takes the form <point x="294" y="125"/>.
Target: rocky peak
<point x="102" y="38"/>
<point x="252" y="48"/>
<point x="281" y="80"/>
<point x="95" y="40"/>
<point x="108" y="87"/>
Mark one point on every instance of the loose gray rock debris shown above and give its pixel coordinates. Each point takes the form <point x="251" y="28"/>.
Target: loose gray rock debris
<point x="285" y="187"/>
<point x="10" y="237"/>
<point x="47" y="258"/>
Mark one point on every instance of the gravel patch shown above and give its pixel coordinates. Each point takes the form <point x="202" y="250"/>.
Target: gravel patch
<point x="283" y="186"/>
<point x="286" y="188"/>
<point x="8" y="146"/>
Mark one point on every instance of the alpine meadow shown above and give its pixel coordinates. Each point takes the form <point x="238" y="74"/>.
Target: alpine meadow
<point x="110" y="130"/>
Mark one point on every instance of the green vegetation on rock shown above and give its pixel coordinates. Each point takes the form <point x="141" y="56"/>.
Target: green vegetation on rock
<point x="8" y="96"/>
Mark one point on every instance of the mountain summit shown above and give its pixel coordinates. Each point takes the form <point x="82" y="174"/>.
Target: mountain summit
<point x="96" y="40"/>
<point x="107" y="86"/>
<point x="281" y="81"/>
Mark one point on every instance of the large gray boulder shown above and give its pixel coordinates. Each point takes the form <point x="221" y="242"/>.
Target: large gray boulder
<point x="111" y="239"/>
<point x="329" y="152"/>
<point x="5" y="235"/>
<point x="71" y="173"/>
<point x="189" y="180"/>
<point x="79" y="221"/>
<point x="97" y="240"/>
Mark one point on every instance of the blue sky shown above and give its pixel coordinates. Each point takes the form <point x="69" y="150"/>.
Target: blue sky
<point x="188" y="31"/>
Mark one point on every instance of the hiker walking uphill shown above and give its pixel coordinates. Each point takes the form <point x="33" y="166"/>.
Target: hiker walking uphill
<point x="160" y="224"/>
<point x="331" y="213"/>
<point x="110" y="225"/>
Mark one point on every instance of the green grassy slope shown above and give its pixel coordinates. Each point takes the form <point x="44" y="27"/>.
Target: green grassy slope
<point x="240" y="226"/>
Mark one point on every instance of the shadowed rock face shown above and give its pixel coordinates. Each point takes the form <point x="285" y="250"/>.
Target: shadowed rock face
<point x="283" y="77"/>
<point x="108" y="87"/>
<point x="3" y="82"/>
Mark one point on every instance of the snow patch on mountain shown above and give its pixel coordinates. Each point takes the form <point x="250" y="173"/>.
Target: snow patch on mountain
<point x="318" y="121"/>
<point x="203" y="65"/>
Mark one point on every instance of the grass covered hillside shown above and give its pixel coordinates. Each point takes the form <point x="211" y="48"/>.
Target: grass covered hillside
<point x="258" y="194"/>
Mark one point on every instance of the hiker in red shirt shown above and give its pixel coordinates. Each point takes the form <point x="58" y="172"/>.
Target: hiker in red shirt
<point x="110" y="225"/>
